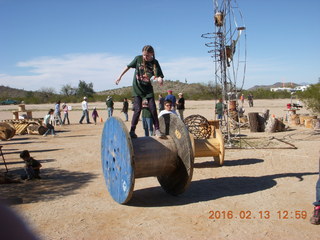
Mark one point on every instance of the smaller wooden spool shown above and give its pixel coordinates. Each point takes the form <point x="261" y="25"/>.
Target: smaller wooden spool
<point x="35" y="129"/>
<point x="294" y="120"/>
<point x="7" y="131"/>
<point x="316" y="123"/>
<point x="308" y="123"/>
<point x="303" y="118"/>
<point x="211" y="146"/>
<point x="124" y="159"/>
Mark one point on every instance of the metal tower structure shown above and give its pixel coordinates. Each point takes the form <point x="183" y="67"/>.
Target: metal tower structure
<point x="228" y="49"/>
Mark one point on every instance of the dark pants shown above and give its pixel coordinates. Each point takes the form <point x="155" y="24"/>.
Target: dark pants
<point x="317" y="202"/>
<point x="137" y="111"/>
<point x="50" y="129"/>
<point x="32" y="173"/>
<point x="66" y="117"/>
<point x="85" y="114"/>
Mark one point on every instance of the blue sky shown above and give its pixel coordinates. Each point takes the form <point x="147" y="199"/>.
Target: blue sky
<point x="47" y="44"/>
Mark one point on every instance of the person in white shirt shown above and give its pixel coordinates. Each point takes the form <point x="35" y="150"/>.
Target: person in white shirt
<point x="167" y="109"/>
<point x="85" y="111"/>
<point x="47" y="120"/>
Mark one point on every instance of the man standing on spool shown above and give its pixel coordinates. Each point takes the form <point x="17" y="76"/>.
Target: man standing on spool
<point x="146" y="67"/>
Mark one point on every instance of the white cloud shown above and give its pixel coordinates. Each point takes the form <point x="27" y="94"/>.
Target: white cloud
<point x="100" y="69"/>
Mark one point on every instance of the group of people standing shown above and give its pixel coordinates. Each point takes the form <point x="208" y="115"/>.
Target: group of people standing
<point x="146" y="114"/>
<point x="220" y="107"/>
<point x="176" y="104"/>
<point x="250" y="99"/>
<point x="167" y="105"/>
<point x="54" y="117"/>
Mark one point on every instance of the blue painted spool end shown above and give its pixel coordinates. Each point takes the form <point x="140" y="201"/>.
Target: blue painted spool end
<point x="117" y="160"/>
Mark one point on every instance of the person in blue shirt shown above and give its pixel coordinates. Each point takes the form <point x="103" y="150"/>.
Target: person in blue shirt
<point x="171" y="98"/>
<point x="57" y="113"/>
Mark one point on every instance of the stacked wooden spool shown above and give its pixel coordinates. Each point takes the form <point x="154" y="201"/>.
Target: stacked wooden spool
<point x="304" y="120"/>
<point x="294" y="120"/>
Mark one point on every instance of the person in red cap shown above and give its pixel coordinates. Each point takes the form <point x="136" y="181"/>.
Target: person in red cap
<point x="171" y="98"/>
<point x="146" y="67"/>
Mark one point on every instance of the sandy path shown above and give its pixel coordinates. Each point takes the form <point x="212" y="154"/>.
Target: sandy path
<point x="252" y="192"/>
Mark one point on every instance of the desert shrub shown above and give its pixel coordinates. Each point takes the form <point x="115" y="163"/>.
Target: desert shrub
<point x="311" y="98"/>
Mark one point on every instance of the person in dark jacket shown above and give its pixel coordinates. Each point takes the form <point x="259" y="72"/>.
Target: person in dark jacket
<point x="125" y="108"/>
<point x="180" y="105"/>
<point x="32" y="166"/>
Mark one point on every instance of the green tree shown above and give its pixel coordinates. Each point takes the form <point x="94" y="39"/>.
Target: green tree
<point x="46" y="94"/>
<point x="68" y="90"/>
<point x="85" y="89"/>
<point x="311" y="97"/>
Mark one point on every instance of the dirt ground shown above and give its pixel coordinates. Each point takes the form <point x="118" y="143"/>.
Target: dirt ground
<point x="262" y="193"/>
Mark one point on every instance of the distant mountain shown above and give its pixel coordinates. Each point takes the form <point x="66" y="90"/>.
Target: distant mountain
<point x="275" y="85"/>
<point x="8" y="92"/>
<point x="175" y="86"/>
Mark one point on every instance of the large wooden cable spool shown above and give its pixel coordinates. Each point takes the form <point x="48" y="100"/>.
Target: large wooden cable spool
<point x="124" y="158"/>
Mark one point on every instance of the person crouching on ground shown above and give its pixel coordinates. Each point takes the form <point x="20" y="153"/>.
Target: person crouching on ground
<point x="47" y="123"/>
<point x="32" y="166"/>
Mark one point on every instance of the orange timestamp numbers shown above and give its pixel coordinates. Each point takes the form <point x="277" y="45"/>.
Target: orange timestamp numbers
<point x="247" y="214"/>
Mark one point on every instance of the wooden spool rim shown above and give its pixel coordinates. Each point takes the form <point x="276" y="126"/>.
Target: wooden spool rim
<point x="173" y="184"/>
<point x="219" y="159"/>
<point x="117" y="160"/>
